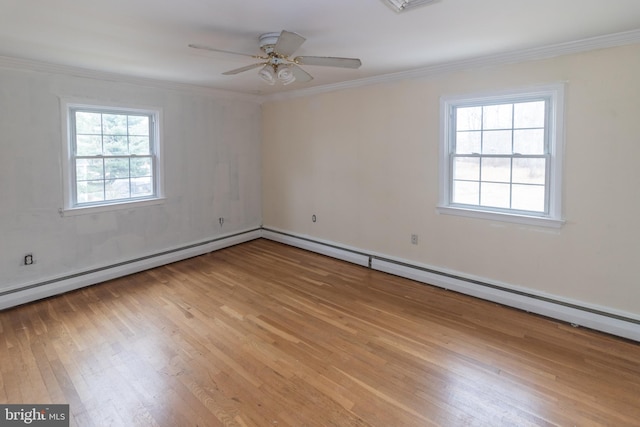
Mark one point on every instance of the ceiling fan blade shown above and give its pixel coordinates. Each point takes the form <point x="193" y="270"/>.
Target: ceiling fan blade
<point x="288" y="43"/>
<point x="301" y="75"/>
<point x="328" y="61"/>
<point x="241" y="69"/>
<point x="203" y="47"/>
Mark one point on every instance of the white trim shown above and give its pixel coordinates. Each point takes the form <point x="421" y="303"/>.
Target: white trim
<point x="129" y="204"/>
<point x="570" y="314"/>
<point x="600" y="318"/>
<point x="522" y="55"/>
<point x="28" y="292"/>
<point x="68" y="208"/>
<point x="502" y="217"/>
<point x="555" y="94"/>
<point x="517" y="56"/>
<point x="68" y="70"/>
<point x="576" y="312"/>
<point x="319" y="247"/>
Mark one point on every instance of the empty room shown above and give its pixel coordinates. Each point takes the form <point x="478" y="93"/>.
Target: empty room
<point x="334" y="213"/>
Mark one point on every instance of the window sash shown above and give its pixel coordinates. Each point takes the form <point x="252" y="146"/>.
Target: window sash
<point x="107" y="198"/>
<point x="482" y="131"/>
<point x="511" y="183"/>
<point x="526" y="148"/>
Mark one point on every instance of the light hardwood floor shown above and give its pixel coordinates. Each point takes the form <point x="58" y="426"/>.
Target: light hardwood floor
<point x="262" y="334"/>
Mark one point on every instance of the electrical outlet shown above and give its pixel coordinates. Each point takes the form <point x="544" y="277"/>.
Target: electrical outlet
<point x="28" y="259"/>
<point x="414" y="239"/>
<point x="313" y="218"/>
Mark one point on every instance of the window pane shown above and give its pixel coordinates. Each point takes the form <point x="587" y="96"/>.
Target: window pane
<point x="116" y="145"/>
<point x="88" y="123"/>
<point x="90" y="191"/>
<point x="529" y="171"/>
<point x="530" y="141"/>
<point x="469" y="118"/>
<point x="89" y="169"/>
<point x="497" y="170"/>
<point x="141" y="167"/>
<point x="112" y="155"/>
<point x="529" y="114"/>
<point x="466" y="192"/>
<point x="88" y="145"/>
<point x="528" y="197"/>
<point x="494" y="195"/>
<point x="116" y="168"/>
<point x="497" y="142"/>
<point x="117" y="189"/>
<point x="468" y="142"/>
<point x="139" y="125"/>
<point x="114" y="124"/>
<point x="139" y="145"/>
<point x="516" y="173"/>
<point x="141" y="187"/>
<point x="497" y="116"/>
<point x="466" y="168"/>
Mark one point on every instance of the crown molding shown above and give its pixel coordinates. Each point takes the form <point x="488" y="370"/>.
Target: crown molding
<point x="523" y="55"/>
<point x="7" y="62"/>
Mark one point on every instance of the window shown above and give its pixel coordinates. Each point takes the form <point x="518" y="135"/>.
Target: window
<point x="501" y="156"/>
<point x="112" y="156"/>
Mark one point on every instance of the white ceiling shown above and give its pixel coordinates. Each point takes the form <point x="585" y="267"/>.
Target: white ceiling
<point x="149" y="38"/>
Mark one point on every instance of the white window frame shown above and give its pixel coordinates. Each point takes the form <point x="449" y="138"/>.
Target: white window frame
<point x="70" y="205"/>
<point x="555" y="133"/>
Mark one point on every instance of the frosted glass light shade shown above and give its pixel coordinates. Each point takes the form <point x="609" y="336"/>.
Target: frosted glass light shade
<point x="285" y="74"/>
<point x="267" y="74"/>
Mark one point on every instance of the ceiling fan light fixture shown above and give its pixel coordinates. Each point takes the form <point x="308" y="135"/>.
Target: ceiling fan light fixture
<point x="277" y="64"/>
<point x="268" y="74"/>
<point x="402" y="5"/>
<point x="285" y="74"/>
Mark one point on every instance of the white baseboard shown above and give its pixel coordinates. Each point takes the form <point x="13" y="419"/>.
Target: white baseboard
<point x="317" y="246"/>
<point x="602" y="319"/>
<point x="29" y="292"/>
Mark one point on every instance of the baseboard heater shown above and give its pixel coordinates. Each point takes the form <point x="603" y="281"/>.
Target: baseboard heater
<point x="28" y="292"/>
<point x="574" y="312"/>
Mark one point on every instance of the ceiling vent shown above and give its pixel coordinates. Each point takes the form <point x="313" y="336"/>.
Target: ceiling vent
<point x="402" y="5"/>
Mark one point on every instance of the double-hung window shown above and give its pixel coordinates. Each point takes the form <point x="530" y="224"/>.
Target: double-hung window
<point x="112" y="156"/>
<point x="501" y="156"/>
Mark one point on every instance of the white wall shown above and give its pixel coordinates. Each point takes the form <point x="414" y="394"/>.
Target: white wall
<point x="212" y="156"/>
<point x="365" y="161"/>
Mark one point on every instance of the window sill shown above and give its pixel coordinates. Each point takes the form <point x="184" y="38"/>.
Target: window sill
<point x="503" y="217"/>
<point x="85" y="210"/>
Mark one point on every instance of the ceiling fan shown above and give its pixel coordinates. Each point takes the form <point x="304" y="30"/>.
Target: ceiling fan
<point x="276" y="62"/>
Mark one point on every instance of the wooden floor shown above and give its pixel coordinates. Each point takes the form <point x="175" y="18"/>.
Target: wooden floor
<point x="263" y="334"/>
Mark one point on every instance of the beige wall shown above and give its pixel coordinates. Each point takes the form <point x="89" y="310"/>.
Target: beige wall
<point x="365" y="161"/>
